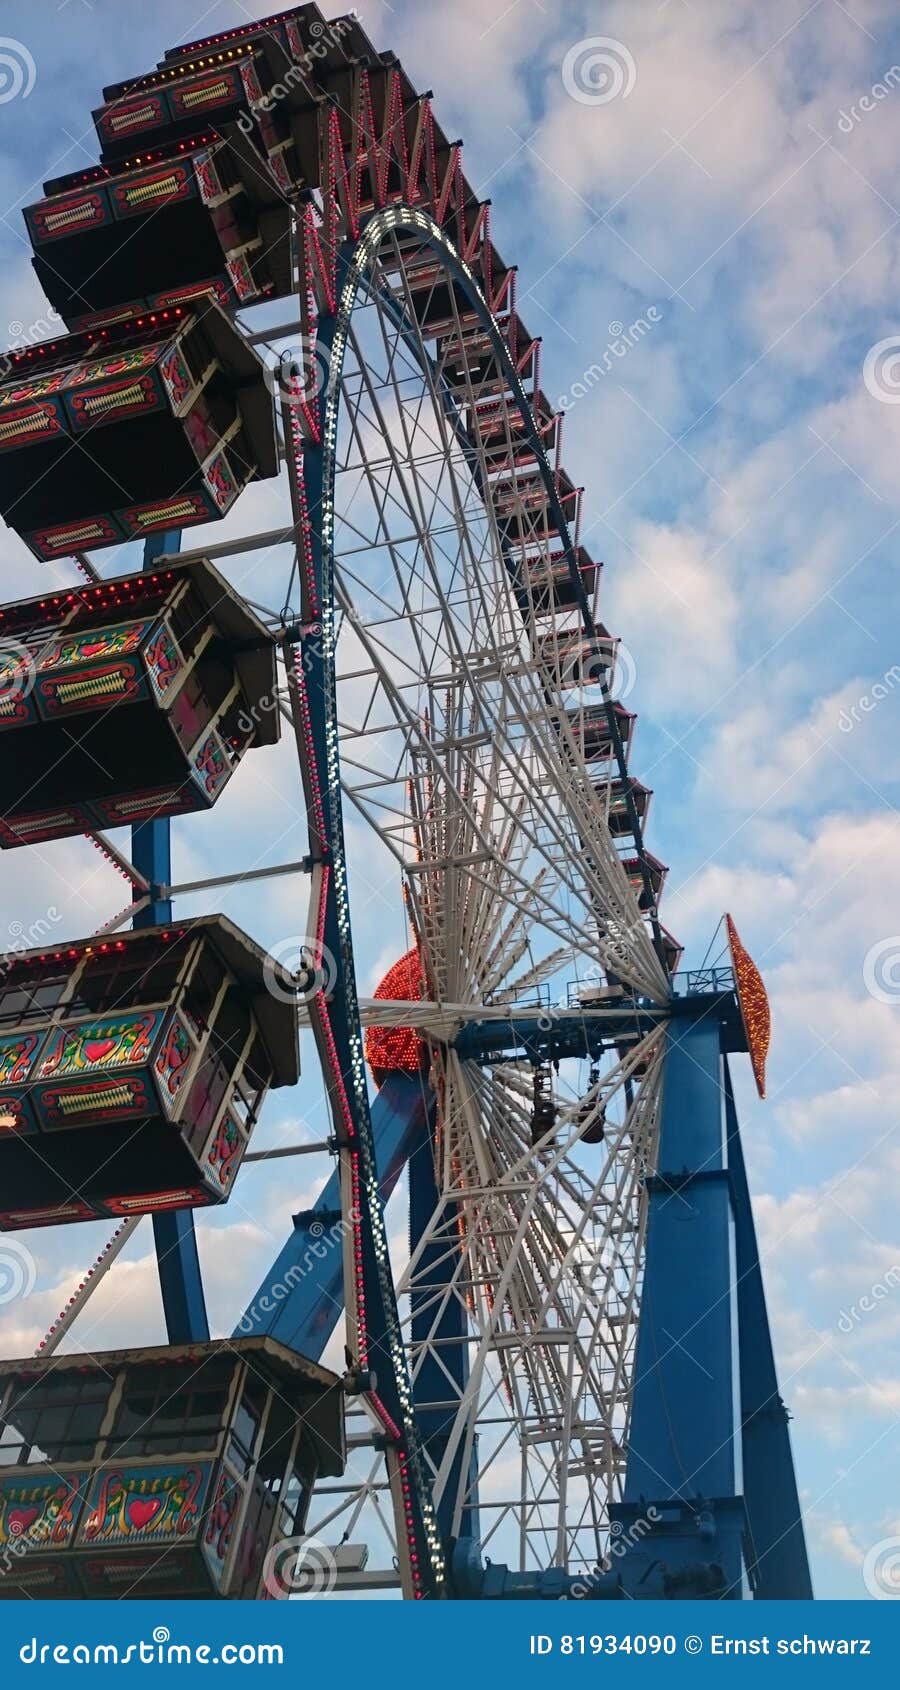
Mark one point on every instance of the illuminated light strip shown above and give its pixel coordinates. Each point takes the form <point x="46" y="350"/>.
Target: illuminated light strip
<point x="311" y="235"/>
<point x="118" y="120"/>
<point x="69" y="691"/>
<point x="67" y="215"/>
<point x="110" y="318"/>
<point x="85" y="1287"/>
<point x="64" y="1212"/>
<point x="307" y="734"/>
<point x="99" y="404"/>
<point x="357" y="1063"/>
<point x="56" y="539"/>
<point x="403" y="1460"/>
<point x="201" y="96"/>
<point x="15" y="428"/>
<point x="84" y="1102"/>
<point x="127" y="806"/>
<point x="30" y="824"/>
<point x="754" y="1005"/>
<point x="143" y="191"/>
<point x="160" y="513"/>
<point x="113" y="861"/>
<point x="160" y="1200"/>
<point x="303" y="510"/>
<point x="358" y="1271"/>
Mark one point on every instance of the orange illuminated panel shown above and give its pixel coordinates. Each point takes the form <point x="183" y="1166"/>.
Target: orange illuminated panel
<point x="391" y="1050"/>
<point x="754" y="1002"/>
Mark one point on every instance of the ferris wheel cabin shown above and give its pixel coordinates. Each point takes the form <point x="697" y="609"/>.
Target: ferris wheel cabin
<point x="591" y="731"/>
<point x="133" y="1069"/>
<point x="185" y="219"/>
<point x="143" y="1473"/>
<point x="574" y="659"/>
<point x="615" y="799"/>
<point x="191" y="193"/>
<point x="171" y="662"/>
<point x="179" y="416"/>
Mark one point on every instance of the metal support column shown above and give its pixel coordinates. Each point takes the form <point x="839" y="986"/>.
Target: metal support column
<point x="683" y="1517"/>
<point x="443" y="1370"/>
<point x="780" y="1565"/>
<point x="176" y="1244"/>
<point x="302" y="1296"/>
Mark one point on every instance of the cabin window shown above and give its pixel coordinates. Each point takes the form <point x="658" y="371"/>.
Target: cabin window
<point x="30" y="1000"/>
<point x="54" y="1419"/>
<point x="138" y="974"/>
<point x="277" y="1443"/>
<point x="293" y="1504"/>
<point x="167" y="1409"/>
<point x="245" y="1425"/>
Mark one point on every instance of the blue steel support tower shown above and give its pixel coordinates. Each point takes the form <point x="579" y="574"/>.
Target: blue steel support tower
<point x="710" y="1506"/>
<point x="174" y="1236"/>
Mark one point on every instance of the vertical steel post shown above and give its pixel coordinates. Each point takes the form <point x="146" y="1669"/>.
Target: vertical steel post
<point x="683" y="1515"/>
<point x="778" y="1544"/>
<point x="176" y="1244"/>
<point x="443" y="1373"/>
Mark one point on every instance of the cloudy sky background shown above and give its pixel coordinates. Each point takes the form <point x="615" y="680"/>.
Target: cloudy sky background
<point x="731" y="206"/>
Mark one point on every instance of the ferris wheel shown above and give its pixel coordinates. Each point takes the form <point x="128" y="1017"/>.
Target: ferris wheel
<point x="433" y="649"/>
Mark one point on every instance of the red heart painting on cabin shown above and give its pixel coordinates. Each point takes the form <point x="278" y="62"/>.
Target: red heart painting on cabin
<point x="142" y="1510"/>
<point x="19" y="1520"/>
<point x="96" y="1049"/>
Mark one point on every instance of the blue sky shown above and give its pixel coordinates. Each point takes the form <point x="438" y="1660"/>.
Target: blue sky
<point x="731" y="212"/>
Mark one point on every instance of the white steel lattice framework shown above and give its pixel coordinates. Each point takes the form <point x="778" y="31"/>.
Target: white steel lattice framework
<point x="452" y="690"/>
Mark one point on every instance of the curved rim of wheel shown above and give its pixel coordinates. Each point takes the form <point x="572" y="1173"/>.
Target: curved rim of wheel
<point x="505" y="822"/>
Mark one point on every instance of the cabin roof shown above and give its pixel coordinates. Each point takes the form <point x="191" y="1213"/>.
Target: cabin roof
<point x="315" y="1391"/>
<point x="251" y="965"/>
<point x="275" y="1358"/>
<point x="251" y="642"/>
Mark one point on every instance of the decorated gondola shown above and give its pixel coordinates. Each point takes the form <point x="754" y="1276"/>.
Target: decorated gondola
<point x="133" y="1068"/>
<point x="172" y="660"/>
<point x="160" y="1472"/>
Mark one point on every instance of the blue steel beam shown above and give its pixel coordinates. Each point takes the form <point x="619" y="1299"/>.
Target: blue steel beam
<point x="302" y="1295"/>
<point x="443" y="1370"/>
<point x="682" y="1503"/>
<point x="778" y="1544"/>
<point x="180" y="1282"/>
